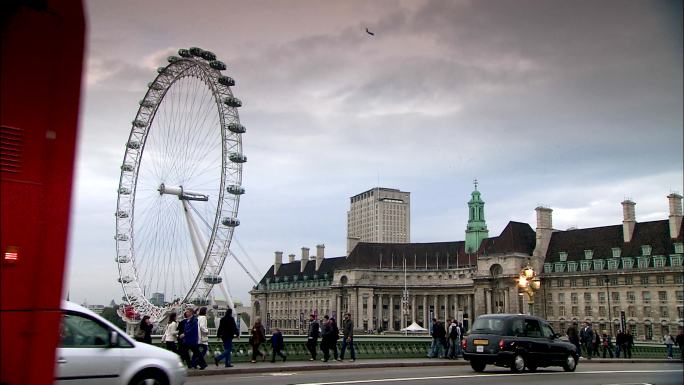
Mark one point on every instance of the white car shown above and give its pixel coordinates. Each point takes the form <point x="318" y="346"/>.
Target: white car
<point x="93" y="351"/>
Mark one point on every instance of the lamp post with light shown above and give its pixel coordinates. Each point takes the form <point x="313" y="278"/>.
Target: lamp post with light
<point x="529" y="283"/>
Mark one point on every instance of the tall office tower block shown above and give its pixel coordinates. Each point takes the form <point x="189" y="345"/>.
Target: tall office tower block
<point x="380" y="215"/>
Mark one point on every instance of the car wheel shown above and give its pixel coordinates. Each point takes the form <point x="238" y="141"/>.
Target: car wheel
<point x="149" y="377"/>
<point x="570" y="363"/>
<point x="478" y="366"/>
<point x="518" y="363"/>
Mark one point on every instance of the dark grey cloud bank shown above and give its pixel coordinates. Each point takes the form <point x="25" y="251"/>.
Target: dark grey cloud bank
<point x="573" y="104"/>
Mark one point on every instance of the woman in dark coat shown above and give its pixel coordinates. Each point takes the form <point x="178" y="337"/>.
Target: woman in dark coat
<point x="258" y="336"/>
<point x="146" y="329"/>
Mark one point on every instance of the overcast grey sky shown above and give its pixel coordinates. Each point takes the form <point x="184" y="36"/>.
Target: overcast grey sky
<point x="571" y="104"/>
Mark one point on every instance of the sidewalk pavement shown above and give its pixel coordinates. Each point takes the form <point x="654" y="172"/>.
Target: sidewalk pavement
<point x="295" y="366"/>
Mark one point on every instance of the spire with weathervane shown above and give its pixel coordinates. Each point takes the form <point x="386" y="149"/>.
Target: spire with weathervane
<point x="477" y="227"/>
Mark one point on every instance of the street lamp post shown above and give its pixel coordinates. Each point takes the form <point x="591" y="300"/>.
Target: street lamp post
<point x="610" y="316"/>
<point x="529" y="283"/>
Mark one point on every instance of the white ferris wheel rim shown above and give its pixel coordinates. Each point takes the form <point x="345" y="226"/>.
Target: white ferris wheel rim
<point x="135" y="258"/>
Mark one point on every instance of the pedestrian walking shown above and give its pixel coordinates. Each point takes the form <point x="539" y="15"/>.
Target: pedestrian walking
<point x="438" y="339"/>
<point x="587" y="338"/>
<point x="334" y="338"/>
<point x="606" y="344"/>
<point x="326" y="335"/>
<point x="668" y="341"/>
<point x="596" y="344"/>
<point x="348" y="337"/>
<point x="679" y="341"/>
<point x="203" y="332"/>
<point x="257" y="337"/>
<point x="454" y="339"/>
<point x="573" y="337"/>
<point x="619" y="343"/>
<point x="144" y="332"/>
<point x="191" y="336"/>
<point x="183" y="349"/>
<point x="312" y="337"/>
<point x="227" y="330"/>
<point x="171" y="333"/>
<point x="278" y="345"/>
<point x="629" y="341"/>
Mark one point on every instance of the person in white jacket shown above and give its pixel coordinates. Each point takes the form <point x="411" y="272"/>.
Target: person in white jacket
<point x="203" y="332"/>
<point x="171" y="333"/>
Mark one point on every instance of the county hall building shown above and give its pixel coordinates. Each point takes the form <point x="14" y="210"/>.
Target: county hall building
<point x="625" y="274"/>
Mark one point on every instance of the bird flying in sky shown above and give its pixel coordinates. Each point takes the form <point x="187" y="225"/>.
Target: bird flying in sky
<point x="369" y="32"/>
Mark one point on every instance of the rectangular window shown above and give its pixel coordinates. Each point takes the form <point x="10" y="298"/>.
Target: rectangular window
<point x="680" y="296"/>
<point x="631" y="311"/>
<point x="659" y="261"/>
<point x="646" y="296"/>
<point x="679" y="248"/>
<point x="563" y="256"/>
<point x="560" y="283"/>
<point x="573" y="298"/>
<point x="549" y="311"/>
<point x="573" y="282"/>
<point x="559" y="267"/>
<point x="598" y="264"/>
<point x="548" y="267"/>
<point x="645" y="250"/>
<point x="679" y="279"/>
<point x="664" y="312"/>
<point x="648" y="332"/>
<point x="588" y="311"/>
<point x="572" y="266"/>
<point x="648" y="312"/>
<point x="644" y="279"/>
<point x="616" y="311"/>
<point x="680" y="311"/>
<point x="602" y="311"/>
<point x="561" y="311"/>
<point x="586" y="282"/>
<point x="616" y="252"/>
<point x="613" y="263"/>
<point x="613" y="281"/>
<point x="587" y="297"/>
<point x="629" y="280"/>
<point x="662" y="296"/>
<point x="575" y="311"/>
<point x="660" y="279"/>
<point x="588" y="254"/>
<point x="602" y="297"/>
<point x="631" y="297"/>
<point x="627" y="263"/>
<point x="561" y="298"/>
<point x="643" y="262"/>
<point x="585" y="265"/>
<point x="676" y="260"/>
<point x="615" y="296"/>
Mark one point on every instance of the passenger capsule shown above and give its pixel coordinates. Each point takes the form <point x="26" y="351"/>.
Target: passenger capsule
<point x="173" y="59"/>
<point x="217" y="65"/>
<point x="121" y="214"/>
<point x="226" y="81"/>
<point x="232" y="101"/>
<point x="237" y="158"/>
<point x="195" y="51"/>
<point x="208" y="55"/>
<point x="124" y="191"/>
<point x="231" y="222"/>
<point x="121" y="237"/>
<point x="139" y="123"/>
<point x="212" y="279"/>
<point x="184" y="52"/>
<point x="133" y="145"/>
<point x="155" y="86"/>
<point x="127" y="167"/>
<point x="235" y="189"/>
<point x="237" y="128"/>
<point x="146" y="103"/>
<point x="161" y="69"/>
<point x="125" y="280"/>
<point x="122" y="259"/>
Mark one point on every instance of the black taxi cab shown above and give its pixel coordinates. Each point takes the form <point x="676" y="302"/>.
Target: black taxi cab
<point x="516" y="341"/>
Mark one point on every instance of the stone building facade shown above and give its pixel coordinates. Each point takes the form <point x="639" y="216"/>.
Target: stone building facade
<point x="637" y="267"/>
<point x="379" y="215"/>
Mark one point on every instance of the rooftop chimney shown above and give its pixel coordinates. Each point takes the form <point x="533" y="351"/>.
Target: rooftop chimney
<point x="629" y="220"/>
<point x="544" y="230"/>
<point x="305" y="257"/>
<point x="675" y="214"/>
<point x="278" y="261"/>
<point x="291" y="258"/>
<point x="320" y="254"/>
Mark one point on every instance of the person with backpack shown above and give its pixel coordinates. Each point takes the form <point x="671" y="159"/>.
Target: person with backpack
<point x="454" y="339"/>
<point x="606" y="344"/>
<point x="312" y="337"/>
<point x="326" y="337"/>
<point x="227" y="330"/>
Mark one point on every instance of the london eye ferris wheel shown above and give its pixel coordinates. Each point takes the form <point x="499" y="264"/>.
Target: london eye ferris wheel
<point x="180" y="186"/>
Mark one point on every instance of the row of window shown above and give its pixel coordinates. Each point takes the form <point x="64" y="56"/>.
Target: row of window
<point x="626" y="263"/>
<point x="631" y="311"/>
<point x="615" y="297"/>
<point x="614" y="281"/>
